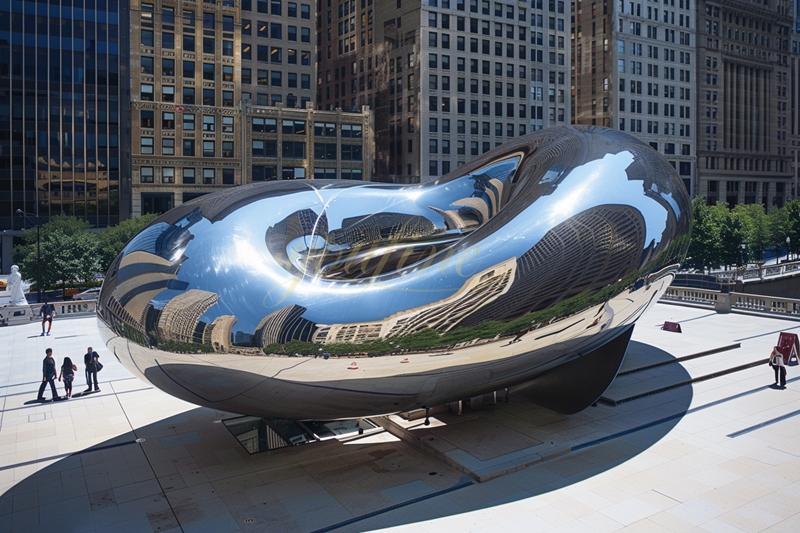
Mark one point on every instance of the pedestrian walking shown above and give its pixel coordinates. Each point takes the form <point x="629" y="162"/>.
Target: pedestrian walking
<point x="47" y="312"/>
<point x="67" y="374"/>
<point x="48" y="375"/>
<point x="90" y="359"/>
<point x="776" y="362"/>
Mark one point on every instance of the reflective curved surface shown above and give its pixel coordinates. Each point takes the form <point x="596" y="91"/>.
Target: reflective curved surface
<point x="327" y="299"/>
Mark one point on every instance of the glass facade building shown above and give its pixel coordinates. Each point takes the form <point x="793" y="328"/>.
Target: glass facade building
<point x="64" y="95"/>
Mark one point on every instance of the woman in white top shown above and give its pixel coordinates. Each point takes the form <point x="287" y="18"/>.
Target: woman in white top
<point x="776" y="362"/>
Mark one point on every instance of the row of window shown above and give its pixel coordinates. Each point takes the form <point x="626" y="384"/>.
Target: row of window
<point x="274" y="31"/>
<point x="189" y="176"/>
<point x="298" y="127"/>
<point x="274" y="54"/>
<point x="275" y="79"/>
<point x="434" y="63"/>
<point x="188" y="44"/>
<point x="297" y="150"/>
<point x="276" y="8"/>
<point x="147" y="147"/>
<point x="189" y="95"/>
<point x="274" y="99"/>
<point x="188" y="71"/>
<point x="435" y="125"/>
<point x="442" y="104"/>
<point x="147" y="120"/>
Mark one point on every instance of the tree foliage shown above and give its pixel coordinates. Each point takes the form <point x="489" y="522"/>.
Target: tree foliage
<point x="725" y="237"/>
<point x="70" y="252"/>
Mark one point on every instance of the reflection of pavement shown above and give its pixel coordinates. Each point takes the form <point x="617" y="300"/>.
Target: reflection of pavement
<point x="192" y="474"/>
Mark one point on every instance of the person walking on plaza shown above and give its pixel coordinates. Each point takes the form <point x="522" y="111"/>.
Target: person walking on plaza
<point x="776" y="362"/>
<point x="48" y="375"/>
<point x="47" y="312"/>
<point x="90" y="360"/>
<point x="67" y="374"/>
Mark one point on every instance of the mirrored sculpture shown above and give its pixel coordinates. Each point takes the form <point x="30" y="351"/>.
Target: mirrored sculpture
<point x="315" y="299"/>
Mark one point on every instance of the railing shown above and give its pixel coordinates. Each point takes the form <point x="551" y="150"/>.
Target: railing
<point x="762" y="272"/>
<point x="738" y="301"/>
<point x="700" y="296"/>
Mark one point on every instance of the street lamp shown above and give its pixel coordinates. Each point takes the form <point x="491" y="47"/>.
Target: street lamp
<point x="38" y="254"/>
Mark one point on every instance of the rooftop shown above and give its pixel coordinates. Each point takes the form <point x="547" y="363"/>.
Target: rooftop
<point x="717" y="449"/>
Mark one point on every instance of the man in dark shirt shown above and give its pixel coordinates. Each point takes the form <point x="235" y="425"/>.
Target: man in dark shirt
<point x="47" y="312"/>
<point x="89" y="359"/>
<point x="48" y="375"/>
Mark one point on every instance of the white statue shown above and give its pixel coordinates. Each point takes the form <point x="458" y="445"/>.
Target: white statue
<point x="17" y="297"/>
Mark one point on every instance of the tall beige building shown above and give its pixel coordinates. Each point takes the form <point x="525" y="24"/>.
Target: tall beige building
<point x="746" y="136"/>
<point x="222" y="95"/>
<point x="447" y="79"/>
<point x="635" y="70"/>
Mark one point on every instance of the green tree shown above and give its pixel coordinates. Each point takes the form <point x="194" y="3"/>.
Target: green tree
<point x="778" y="229"/>
<point x="69" y="253"/>
<point x="793" y="225"/>
<point x="756" y="227"/>
<point x="705" y="248"/>
<point x="114" y="239"/>
<point x="732" y="239"/>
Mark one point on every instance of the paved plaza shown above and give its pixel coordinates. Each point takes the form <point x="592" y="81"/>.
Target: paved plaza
<point x="719" y="454"/>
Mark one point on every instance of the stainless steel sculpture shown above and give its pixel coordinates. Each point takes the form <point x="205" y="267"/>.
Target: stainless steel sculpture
<point x="530" y="264"/>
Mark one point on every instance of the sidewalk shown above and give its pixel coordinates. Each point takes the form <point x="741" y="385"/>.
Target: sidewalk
<point x="722" y="454"/>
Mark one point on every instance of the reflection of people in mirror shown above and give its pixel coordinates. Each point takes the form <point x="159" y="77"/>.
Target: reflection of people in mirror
<point x="776" y="362"/>
<point x="17" y="296"/>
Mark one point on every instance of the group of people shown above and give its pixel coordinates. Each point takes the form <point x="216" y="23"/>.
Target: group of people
<point x="91" y="361"/>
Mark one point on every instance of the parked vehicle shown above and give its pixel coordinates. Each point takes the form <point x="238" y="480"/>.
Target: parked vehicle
<point x="88" y="294"/>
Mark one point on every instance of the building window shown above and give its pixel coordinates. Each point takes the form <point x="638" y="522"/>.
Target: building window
<point x="146" y="146"/>
<point x="147" y="37"/>
<point x="227" y="124"/>
<point x="168" y="175"/>
<point x="188" y="122"/>
<point x="208" y="148"/>
<point x="188" y="176"/>
<point x="208" y="71"/>
<point x="167" y="67"/>
<point x="146" y="93"/>
<point x="209" y="177"/>
<point x="146" y="119"/>
<point x="167" y="120"/>
<point x="208" y="97"/>
<point x="146" y="174"/>
<point x="168" y="93"/>
<point x="227" y="148"/>
<point x="167" y="146"/>
<point x="209" y="123"/>
<point x="148" y="66"/>
<point x="264" y="172"/>
<point x="227" y="176"/>
<point x="227" y="98"/>
<point x="293" y="149"/>
<point x="188" y="95"/>
<point x="188" y="148"/>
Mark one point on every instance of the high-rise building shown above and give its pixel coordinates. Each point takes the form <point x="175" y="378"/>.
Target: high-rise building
<point x="635" y="71"/>
<point x="185" y="88"/>
<point x="63" y="97"/>
<point x="277" y="54"/>
<point x="747" y="96"/>
<point x="222" y="95"/>
<point x="447" y="79"/>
